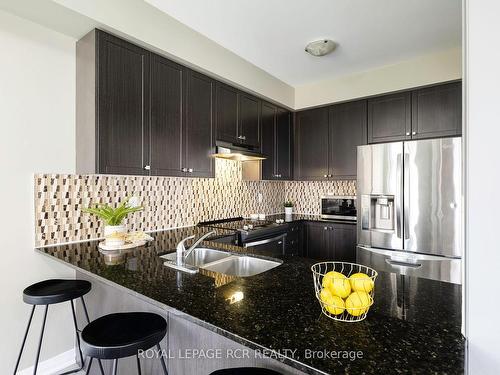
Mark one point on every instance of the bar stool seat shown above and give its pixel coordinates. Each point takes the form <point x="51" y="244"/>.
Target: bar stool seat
<point x="49" y="292"/>
<point x="53" y="291"/>
<point x="122" y="334"/>
<point x="245" y="371"/>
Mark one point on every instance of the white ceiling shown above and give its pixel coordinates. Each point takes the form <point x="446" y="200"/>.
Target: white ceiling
<point x="272" y="34"/>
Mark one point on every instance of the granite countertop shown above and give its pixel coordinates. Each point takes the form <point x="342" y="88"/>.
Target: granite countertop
<point x="279" y="310"/>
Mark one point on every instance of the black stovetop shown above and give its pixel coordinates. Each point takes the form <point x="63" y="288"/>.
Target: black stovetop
<point x="238" y="223"/>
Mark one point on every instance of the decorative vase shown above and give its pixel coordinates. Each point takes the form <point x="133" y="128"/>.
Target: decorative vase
<point x="115" y="235"/>
<point x="288" y="210"/>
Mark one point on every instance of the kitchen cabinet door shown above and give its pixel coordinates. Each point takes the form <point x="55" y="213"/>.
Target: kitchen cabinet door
<point x="284" y="145"/>
<point x="167" y="80"/>
<point x="437" y="111"/>
<point x="348" y="129"/>
<point x="199" y="134"/>
<point x="226" y="113"/>
<point x="268" y="120"/>
<point x="317" y="241"/>
<point x="342" y="241"/>
<point x="123" y="122"/>
<point x="389" y="118"/>
<point x="249" y="120"/>
<point x="311" y="148"/>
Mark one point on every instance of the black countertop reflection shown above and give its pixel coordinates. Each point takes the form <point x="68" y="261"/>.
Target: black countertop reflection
<point x="279" y="310"/>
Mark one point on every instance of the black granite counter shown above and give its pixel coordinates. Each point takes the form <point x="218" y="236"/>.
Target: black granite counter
<point x="279" y="310"/>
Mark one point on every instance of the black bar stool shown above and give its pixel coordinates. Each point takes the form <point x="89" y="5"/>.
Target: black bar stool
<point x="120" y="335"/>
<point x="245" y="371"/>
<point x="50" y="292"/>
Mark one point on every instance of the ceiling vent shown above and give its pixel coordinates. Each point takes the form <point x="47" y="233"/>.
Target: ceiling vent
<point x="321" y="47"/>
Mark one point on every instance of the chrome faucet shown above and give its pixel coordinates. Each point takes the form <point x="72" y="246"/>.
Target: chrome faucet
<point x="182" y="253"/>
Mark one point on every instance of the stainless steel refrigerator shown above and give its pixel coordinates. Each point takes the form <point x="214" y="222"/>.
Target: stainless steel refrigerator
<point x="410" y="208"/>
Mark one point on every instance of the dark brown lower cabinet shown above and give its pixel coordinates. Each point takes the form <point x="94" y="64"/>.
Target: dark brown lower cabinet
<point x="330" y="241"/>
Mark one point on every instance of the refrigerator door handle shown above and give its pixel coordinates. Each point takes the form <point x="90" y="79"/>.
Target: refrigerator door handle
<point x="406" y="198"/>
<point x="399" y="177"/>
<point x="397" y="263"/>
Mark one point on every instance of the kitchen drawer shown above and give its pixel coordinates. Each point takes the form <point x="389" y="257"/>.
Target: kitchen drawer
<point x="411" y="264"/>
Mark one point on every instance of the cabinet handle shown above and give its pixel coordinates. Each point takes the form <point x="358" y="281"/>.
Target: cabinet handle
<point x="414" y="133"/>
<point x="184" y="169"/>
<point x="242" y="137"/>
<point x="190" y="170"/>
<point x="147" y="167"/>
<point x="325" y="176"/>
<point x="407" y="133"/>
<point x="325" y="228"/>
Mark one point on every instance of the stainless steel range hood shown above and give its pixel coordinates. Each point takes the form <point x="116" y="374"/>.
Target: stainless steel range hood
<point x="226" y="150"/>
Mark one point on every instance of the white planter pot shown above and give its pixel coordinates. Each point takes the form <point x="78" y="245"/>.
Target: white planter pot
<point x="288" y="210"/>
<point x="112" y="240"/>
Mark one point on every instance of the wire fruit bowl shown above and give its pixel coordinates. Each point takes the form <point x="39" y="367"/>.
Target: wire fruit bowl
<point x="344" y="290"/>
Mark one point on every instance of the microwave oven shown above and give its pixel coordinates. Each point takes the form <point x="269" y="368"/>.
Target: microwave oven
<point x="338" y="207"/>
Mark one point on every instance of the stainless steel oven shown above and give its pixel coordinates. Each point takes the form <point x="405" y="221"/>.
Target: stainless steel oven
<point x="338" y="207"/>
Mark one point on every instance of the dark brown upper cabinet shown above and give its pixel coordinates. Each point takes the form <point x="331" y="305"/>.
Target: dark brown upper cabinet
<point x="167" y="118"/>
<point x="226" y="113"/>
<point x="389" y="118"/>
<point x="284" y="145"/>
<point x="347" y="130"/>
<point x="139" y="113"/>
<point x="268" y="142"/>
<point x="237" y="117"/>
<point x="122" y="116"/>
<point x="429" y="112"/>
<point x="437" y="111"/>
<point x="327" y="140"/>
<point x="249" y="120"/>
<point x="199" y="130"/>
<point x="276" y="143"/>
<point x="311" y="144"/>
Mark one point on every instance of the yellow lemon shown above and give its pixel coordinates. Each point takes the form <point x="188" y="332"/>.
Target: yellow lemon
<point x="361" y="282"/>
<point x="337" y="283"/>
<point x="357" y="303"/>
<point x="325" y="295"/>
<point x="333" y="304"/>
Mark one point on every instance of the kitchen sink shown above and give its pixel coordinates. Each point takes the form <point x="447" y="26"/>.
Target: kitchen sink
<point x="241" y="266"/>
<point x="199" y="256"/>
<point x="220" y="261"/>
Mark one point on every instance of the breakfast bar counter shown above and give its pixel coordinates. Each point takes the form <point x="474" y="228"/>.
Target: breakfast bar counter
<point x="277" y="310"/>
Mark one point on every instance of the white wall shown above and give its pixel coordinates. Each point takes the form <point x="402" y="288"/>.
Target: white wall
<point x="423" y="70"/>
<point x="37" y="120"/>
<point x="483" y="186"/>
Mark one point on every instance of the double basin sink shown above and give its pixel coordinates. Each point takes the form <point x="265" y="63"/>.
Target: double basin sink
<point x="222" y="262"/>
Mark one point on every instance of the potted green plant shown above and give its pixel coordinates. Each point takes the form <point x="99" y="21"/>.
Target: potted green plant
<point x="114" y="230"/>
<point x="288" y="207"/>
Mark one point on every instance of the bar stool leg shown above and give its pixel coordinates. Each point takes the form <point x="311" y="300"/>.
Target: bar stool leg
<point x="24" y="339"/>
<point x="87" y="372"/>
<point x="115" y="366"/>
<point x="77" y="335"/>
<point x="88" y="321"/>
<point x="138" y="364"/>
<point x="163" y="365"/>
<point x="41" y="338"/>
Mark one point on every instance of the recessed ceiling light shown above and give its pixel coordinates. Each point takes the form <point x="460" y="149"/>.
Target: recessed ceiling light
<point x="321" y="47"/>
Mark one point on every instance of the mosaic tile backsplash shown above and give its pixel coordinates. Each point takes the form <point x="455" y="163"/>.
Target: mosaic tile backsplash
<point x="169" y="201"/>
